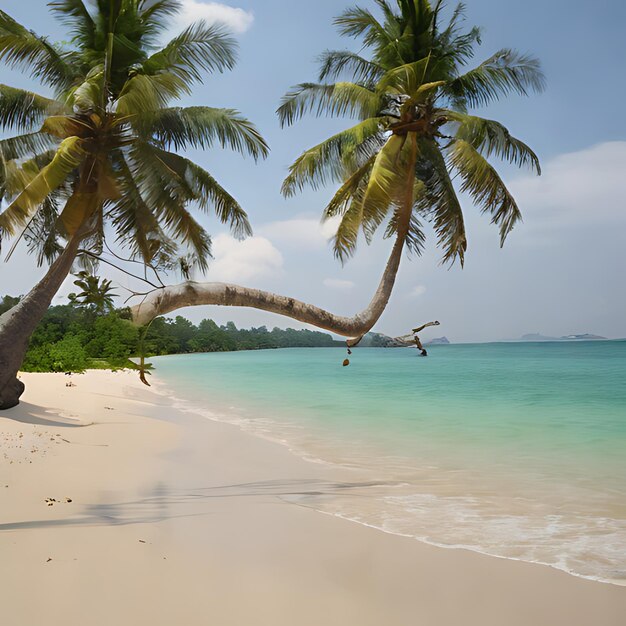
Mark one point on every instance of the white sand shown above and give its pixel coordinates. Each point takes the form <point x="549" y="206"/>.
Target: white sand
<point x="175" y="519"/>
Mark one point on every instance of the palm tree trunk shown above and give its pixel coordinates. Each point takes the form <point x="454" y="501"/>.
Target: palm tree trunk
<point x="18" y="324"/>
<point x="171" y="298"/>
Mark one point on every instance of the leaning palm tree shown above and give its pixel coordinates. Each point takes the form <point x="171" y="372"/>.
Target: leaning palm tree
<point x="94" y="159"/>
<point x="411" y="96"/>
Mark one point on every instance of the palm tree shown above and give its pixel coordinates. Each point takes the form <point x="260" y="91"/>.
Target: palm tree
<point x="95" y="159"/>
<point x="396" y="167"/>
<point x="414" y="135"/>
<point x="96" y="294"/>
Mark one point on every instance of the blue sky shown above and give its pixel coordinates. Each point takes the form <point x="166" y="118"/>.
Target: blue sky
<point x="561" y="272"/>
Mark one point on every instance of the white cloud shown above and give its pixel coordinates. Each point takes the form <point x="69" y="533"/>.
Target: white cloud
<point x="329" y="227"/>
<point x="241" y="261"/>
<point x="417" y="291"/>
<point x="301" y="232"/>
<point x="577" y="187"/>
<point x="336" y="283"/>
<point x="237" y="20"/>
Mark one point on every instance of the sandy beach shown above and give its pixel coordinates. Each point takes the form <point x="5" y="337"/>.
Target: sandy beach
<point x="117" y="508"/>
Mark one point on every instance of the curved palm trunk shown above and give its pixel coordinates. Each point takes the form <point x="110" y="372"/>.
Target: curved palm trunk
<point x="18" y="324"/>
<point x="171" y="298"/>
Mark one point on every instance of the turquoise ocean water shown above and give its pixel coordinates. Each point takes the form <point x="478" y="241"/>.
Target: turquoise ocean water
<point x="513" y="449"/>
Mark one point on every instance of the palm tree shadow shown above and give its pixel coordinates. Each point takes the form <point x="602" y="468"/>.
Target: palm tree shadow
<point x="36" y="415"/>
<point x="164" y="503"/>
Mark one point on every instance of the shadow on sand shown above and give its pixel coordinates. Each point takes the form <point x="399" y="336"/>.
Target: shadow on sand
<point x="164" y="503"/>
<point x="32" y="414"/>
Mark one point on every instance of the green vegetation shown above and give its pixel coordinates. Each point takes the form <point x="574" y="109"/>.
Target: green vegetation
<point x="75" y="337"/>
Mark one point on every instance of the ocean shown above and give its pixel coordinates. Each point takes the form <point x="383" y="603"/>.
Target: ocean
<point x="516" y="450"/>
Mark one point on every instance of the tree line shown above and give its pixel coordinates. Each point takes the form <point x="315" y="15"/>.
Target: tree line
<point x="75" y="337"/>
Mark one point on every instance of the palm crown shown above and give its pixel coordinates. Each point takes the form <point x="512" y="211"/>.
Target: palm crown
<point x="99" y="150"/>
<point x="414" y="135"/>
<point x="95" y="293"/>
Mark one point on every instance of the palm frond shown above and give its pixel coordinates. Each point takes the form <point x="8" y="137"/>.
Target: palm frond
<point x="79" y="207"/>
<point x="358" y="22"/>
<point x="23" y="146"/>
<point x="86" y="96"/>
<point x="148" y="93"/>
<point x="415" y="237"/>
<point x="405" y="79"/>
<point x="199" y="48"/>
<point x="74" y="13"/>
<point x="135" y="223"/>
<point x="387" y="10"/>
<point x="158" y="9"/>
<point x="384" y="182"/>
<point x="504" y="73"/>
<point x="23" y="110"/>
<point x="17" y="174"/>
<point x="201" y="127"/>
<point x="486" y="187"/>
<point x="440" y="204"/>
<point x="333" y="159"/>
<point x="209" y="194"/>
<point x="64" y="126"/>
<point x="24" y="50"/>
<point x="67" y="157"/>
<point x="41" y="234"/>
<point x="167" y="194"/>
<point x="352" y="189"/>
<point x="185" y="228"/>
<point x="154" y="16"/>
<point x="338" y="99"/>
<point x="347" y="235"/>
<point x="334" y="63"/>
<point x="454" y="45"/>
<point x="492" y="138"/>
<point x="157" y="182"/>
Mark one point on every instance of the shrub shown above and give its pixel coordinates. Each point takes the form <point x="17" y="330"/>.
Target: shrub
<point x="68" y="355"/>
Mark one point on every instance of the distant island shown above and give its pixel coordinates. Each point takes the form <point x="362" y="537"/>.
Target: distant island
<point x="584" y="337"/>
<point x="379" y="340"/>
<point x="438" y="341"/>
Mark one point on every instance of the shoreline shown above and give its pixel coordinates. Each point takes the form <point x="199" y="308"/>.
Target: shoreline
<point x="213" y="505"/>
<point x="272" y="433"/>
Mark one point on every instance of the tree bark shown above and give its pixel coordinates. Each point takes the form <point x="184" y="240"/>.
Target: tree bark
<point x="413" y="335"/>
<point x="18" y="324"/>
<point x="170" y="298"/>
